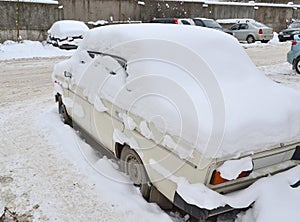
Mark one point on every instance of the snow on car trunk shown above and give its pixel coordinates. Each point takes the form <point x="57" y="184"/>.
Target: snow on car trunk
<point x="199" y="81"/>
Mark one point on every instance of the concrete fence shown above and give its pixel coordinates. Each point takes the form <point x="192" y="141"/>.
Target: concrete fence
<point x="32" y="20"/>
<point x="27" y="20"/>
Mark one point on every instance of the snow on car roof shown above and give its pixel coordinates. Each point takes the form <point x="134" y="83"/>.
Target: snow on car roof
<point x="65" y="28"/>
<point x="199" y="81"/>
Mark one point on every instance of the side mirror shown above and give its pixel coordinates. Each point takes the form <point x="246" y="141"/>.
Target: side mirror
<point x="67" y="74"/>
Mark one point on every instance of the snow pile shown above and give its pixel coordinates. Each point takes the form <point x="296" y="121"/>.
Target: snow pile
<point x="110" y="186"/>
<point x="29" y="49"/>
<point x="221" y="105"/>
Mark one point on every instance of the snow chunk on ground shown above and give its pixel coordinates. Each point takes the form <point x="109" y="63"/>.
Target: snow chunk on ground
<point x="231" y="169"/>
<point x="30" y="49"/>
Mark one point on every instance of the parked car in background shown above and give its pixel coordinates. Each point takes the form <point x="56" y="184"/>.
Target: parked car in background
<point x="288" y="34"/>
<point x="251" y="31"/>
<point x="144" y="93"/>
<point x="179" y="21"/>
<point x="66" y="34"/>
<point x="209" y="23"/>
<point x="293" y="56"/>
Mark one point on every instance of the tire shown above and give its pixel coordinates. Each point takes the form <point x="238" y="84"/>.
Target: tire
<point x="297" y="65"/>
<point x="66" y="119"/>
<point x="133" y="166"/>
<point x="250" y="39"/>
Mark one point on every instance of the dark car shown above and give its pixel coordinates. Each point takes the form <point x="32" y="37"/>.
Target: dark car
<point x="208" y="23"/>
<point x="288" y="34"/>
<point x="179" y="21"/>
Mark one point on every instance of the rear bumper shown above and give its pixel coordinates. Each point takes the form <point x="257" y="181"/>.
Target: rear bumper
<point x="196" y="212"/>
<point x="283" y="38"/>
<point x="264" y="37"/>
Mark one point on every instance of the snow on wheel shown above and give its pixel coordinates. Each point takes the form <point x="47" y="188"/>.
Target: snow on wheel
<point x="297" y="65"/>
<point x="133" y="166"/>
<point x="250" y="39"/>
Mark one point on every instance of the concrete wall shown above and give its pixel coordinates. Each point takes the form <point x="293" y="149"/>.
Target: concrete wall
<point x="93" y="10"/>
<point x="274" y="17"/>
<point x="34" y="20"/>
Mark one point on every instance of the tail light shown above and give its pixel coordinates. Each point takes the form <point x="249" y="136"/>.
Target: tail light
<point x="260" y="31"/>
<point x="294" y="42"/>
<point x="175" y="21"/>
<point x="217" y="179"/>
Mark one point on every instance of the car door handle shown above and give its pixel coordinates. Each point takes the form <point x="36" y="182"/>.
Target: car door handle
<point x="67" y="74"/>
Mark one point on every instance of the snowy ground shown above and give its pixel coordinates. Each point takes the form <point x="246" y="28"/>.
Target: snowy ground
<point x="47" y="173"/>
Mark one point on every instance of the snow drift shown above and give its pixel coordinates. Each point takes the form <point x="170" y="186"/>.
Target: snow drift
<point x="200" y="82"/>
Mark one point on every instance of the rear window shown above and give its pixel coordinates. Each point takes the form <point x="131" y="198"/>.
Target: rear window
<point x="258" y="25"/>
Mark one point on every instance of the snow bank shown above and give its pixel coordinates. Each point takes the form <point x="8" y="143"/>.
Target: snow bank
<point x="29" y="49"/>
<point x="109" y="186"/>
<point x="208" y="92"/>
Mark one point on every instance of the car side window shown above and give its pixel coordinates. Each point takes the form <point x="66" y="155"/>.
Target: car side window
<point x="198" y="22"/>
<point x="244" y="26"/>
<point x="235" y="27"/>
<point x="185" y="22"/>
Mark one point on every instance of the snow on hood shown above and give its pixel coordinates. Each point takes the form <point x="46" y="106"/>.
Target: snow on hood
<point x="199" y="81"/>
<point x="67" y="28"/>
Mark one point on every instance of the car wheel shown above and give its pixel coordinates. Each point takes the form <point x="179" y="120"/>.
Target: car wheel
<point x="297" y="65"/>
<point x="64" y="114"/>
<point x="250" y="39"/>
<point x="133" y="166"/>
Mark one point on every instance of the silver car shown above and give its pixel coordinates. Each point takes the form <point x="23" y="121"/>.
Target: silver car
<point x="251" y="31"/>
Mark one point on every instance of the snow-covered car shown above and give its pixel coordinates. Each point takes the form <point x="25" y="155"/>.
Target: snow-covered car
<point x="251" y="31"/>
<point x="188" y="123"/>
<point x="66" y="34"/>
<point x="293" y="56"/>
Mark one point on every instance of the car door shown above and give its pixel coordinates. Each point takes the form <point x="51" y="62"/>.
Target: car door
<point x="243" y="31"/>
<point x="106" y="115"/>
<point x="234" y="29"/>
